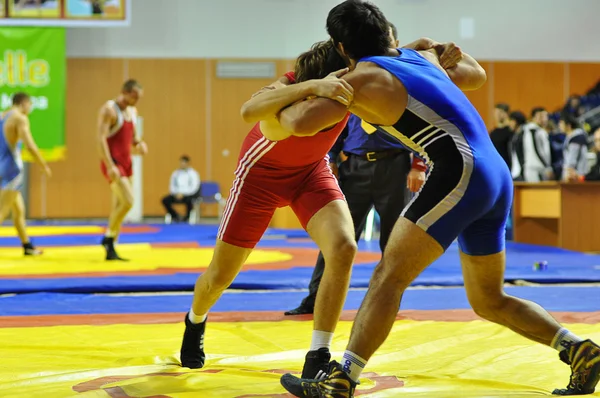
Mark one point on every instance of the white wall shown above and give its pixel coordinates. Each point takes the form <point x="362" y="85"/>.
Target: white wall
<point x="503" y="29"/>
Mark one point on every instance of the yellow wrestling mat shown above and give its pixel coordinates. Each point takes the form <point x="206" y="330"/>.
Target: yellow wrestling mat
<point x="90" y="259"/>
<point x="420" y="359"/>
<point x="9" y="231"/>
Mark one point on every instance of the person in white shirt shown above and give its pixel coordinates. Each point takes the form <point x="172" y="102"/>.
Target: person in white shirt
<point x="536" y="148"/>
<point x="184" y="188"/>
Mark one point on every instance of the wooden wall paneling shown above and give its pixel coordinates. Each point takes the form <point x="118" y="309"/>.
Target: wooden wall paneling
<point x="582" y="77"/>
<point x="525" y="85"/>
<point x="173" y="109"/>
<point x="580" y="217"/>
<point x="228" y="130"/>
<point x="77" y="188"/>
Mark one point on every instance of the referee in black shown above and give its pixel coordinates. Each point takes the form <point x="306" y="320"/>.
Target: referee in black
<point x="376" y="171"/>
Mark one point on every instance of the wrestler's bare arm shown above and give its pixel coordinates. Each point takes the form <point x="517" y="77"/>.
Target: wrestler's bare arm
<point x="24" y="133"/>
<point x="269" y="104"/>
<point x="105" y="119"/>
<point x="372" y="91"/>
<point x="271" y="101"/>
<point x="467" y="74"/>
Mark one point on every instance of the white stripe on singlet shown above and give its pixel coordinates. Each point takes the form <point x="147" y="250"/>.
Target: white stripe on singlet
<point x="253" y="155"/>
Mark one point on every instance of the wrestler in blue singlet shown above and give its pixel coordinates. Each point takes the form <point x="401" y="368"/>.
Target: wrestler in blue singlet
<point x="468" y="193"/>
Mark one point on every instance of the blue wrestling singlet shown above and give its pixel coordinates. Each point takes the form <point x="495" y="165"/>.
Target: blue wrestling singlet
<point x="468" y="191"/>
<point x="11" y="164"/>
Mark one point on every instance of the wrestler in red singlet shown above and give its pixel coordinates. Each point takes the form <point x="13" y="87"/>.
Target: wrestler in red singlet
<point x="116" y="139"/>
<point x="291" y="171"/>
<point x="120" y="141"/>
<point x="270" y="174"/>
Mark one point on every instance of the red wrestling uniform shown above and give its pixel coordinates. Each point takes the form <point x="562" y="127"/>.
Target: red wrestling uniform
<point x="120" y="142"/>
<point x="271" y="174"/>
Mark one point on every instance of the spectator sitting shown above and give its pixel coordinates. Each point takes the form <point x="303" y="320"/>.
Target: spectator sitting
<point x="594" y="173"/>
<point x="516" y="121"/>
<point x="184" y="188"/>
<point x="502" y="135"/>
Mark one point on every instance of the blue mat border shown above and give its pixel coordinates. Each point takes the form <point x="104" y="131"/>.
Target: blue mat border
<point x="553" y="298"/>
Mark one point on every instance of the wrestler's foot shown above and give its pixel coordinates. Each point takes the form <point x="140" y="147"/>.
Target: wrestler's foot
<point x="111" y="253"/>
<point x="192" y="346"/>
<point x="316" y="364"/>
<point x="303" y="309"/>
<point x="584" y="358"/>
<point x="337" y="385"/>
<point x="30" y="250"/>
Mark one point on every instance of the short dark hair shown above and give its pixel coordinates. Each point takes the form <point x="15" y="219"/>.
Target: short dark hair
<point x="502" y="106"/>
<point x="394" y="31"/>
<point x="318" y="62"/>
<point x="361" y="27"/>
<point x="518" y="117"/>
<point x="570" y="121"/>
<point x="537" y="110"/>
<point x="20" y="97"/>
<point x="185" y="158"/>
<point x="131" y="85"/>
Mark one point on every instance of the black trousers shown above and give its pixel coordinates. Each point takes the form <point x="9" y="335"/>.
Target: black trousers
<point x="169" y="200"/>
<point x="365" y="184"/>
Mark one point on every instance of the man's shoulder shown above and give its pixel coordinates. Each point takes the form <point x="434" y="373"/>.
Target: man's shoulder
<point x="580" y="139"/>
<point x="16" y="117"/>
<point x="536" y="128"/>
<point x="368" y="70"/>
<point x="108" y="108"/>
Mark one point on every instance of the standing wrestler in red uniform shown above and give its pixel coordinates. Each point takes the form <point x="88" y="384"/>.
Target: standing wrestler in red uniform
<point x="117" y="141"/>
<point x="274" y="170"/>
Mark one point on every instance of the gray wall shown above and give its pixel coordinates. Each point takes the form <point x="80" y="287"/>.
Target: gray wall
<point x="561" y="30"/>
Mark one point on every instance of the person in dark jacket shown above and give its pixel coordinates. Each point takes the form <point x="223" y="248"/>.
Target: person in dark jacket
<point x="502" y="135"/>
<point x="594" y="173"/>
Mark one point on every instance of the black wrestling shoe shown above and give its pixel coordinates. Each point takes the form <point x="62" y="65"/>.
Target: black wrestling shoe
<point x="316" y="364"/>
<point x="111" y="253"/>
<point x="337" y="385"/>
<point x="584" y="359"/>
<point x="30" y="250"/>
<point x="301" y="310"/>
<point x="192" y="346"/>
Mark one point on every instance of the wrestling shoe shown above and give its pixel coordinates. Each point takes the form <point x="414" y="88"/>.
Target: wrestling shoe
<point x="192" y="346"/>
<point x="337" y="385"/>
<point x="111" y="253"/>
<point x="30" y="250"/>
<point x="316" y="364"/>
<point x="584" y="359"/>
<point x="302" y="309"/>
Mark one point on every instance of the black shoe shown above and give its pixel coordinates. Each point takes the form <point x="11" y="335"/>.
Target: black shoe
<point x="337" y="385"/>
<point x="30" y="250"/>
<point x="303" y="309"/>
<point x="192" y="346"/>
<point x="111" y="253"/>
<point x="584" y="359"/>
<point x="316" y="364"/>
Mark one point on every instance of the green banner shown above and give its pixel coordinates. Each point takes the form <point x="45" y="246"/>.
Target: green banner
<point x="33" y="60"/>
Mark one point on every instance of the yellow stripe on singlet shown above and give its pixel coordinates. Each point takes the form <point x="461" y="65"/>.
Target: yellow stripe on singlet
<point x="407" y="142"/>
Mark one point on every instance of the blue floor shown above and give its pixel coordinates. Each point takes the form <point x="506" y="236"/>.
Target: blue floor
<point x="564" y="266"/>
<point x="553" y="298"/>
